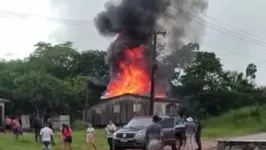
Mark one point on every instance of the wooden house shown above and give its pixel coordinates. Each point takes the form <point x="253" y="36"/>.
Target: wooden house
<point x="2" y="110"/>
<point x="121" y="109"/>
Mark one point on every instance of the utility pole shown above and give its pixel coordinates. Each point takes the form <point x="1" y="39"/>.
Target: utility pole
<point x="153" y="71"/>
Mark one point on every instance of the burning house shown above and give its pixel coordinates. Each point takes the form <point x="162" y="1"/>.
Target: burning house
<point x="120" y="109"/>
<point x="129" y="55"/>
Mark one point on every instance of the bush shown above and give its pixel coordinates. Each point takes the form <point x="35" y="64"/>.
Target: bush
<point x="79" y="125"/>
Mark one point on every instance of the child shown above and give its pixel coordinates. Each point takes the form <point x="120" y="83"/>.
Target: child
<point x="90" y="135"/>
<point x="67" y="137"/>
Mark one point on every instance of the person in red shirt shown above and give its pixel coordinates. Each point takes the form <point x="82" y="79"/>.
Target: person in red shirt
<point x="67" y="137"/>
<point x="8" y="125"/>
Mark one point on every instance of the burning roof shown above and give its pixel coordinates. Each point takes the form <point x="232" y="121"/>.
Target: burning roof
<point x="129" y="55"/>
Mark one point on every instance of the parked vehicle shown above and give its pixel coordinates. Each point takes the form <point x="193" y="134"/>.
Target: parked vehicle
<point x="132" y="135"/>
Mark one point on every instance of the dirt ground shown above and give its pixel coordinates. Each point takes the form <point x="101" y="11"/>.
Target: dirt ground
<point x="206" y="145"/>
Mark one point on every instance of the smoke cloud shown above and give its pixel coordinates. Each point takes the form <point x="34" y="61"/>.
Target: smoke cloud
<point x="132" y="19"/>
<point x="80" y="27"/>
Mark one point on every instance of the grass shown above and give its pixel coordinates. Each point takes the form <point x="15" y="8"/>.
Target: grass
<point x="236" y="123"/>
<point x="26" y="142"/>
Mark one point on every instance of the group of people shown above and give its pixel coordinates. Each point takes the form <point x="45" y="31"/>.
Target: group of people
<point x="155" y="137"/>
<point x="12" y="125"/>
<point x="154" y="134"/>
<point x="47" y="136"/>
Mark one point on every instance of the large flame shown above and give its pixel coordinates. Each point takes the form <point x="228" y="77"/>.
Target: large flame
<point x="133" y="75"/>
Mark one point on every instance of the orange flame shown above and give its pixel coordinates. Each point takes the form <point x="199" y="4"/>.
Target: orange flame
<point x="133" y="75"/>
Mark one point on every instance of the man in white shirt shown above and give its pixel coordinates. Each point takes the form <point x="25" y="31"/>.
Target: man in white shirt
<point x="110" y="129"/>
<point x="46" y="134"/>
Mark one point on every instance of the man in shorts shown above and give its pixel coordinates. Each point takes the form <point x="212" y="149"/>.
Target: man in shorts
<point x="8" y="125"/>
<point x="47" y="136"/>
<point x="154" y="135"/>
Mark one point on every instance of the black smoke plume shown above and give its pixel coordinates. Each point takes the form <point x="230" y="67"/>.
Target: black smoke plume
<point x="131" y="20"/>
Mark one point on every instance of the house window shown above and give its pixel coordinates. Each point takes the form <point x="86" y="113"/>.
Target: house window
<point x="116" y="108"/>
<point x="158" y="109"/>
<point x="172" y="109"/>
<point x="136" y="108"/>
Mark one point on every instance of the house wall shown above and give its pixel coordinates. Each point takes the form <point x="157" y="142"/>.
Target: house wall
<point x="2" y="113"/>
<point x="160" y="107"/>
<point x="25" y="121"/>
<point x="119" y="110"/>
<point x="122" y="109"/>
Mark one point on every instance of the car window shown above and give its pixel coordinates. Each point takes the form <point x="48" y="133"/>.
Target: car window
<point x="168" y="123"/>
<point x="139" y="122"/>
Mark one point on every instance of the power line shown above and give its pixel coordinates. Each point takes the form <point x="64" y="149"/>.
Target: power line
<point x="226" y="31"/>
<point x="9" y="14"/>
<point x="241" y="30"/>
<point x="23" y="16"/>
<point x="233" y="52"/>
<point x="227" y="51"/>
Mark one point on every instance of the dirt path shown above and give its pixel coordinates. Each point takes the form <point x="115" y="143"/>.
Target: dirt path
<point x="206" y="145"/>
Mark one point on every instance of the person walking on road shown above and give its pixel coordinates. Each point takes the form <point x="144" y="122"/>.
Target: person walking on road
<point x="47" y="137"/>
<point x="190" y="133"/>
<point x="154" y="135"/>
<point x="198" y="134"/>
<point x="110" y="129"/>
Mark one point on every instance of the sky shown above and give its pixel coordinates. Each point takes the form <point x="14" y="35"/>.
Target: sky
<point x="235" y="29"/>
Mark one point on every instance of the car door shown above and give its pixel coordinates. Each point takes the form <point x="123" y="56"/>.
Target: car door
<point x="168" y="129"/>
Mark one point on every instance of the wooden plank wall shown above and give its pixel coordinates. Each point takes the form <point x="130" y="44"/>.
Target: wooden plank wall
<point x="100" y="114"/>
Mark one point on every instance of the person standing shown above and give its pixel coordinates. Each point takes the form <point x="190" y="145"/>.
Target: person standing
<point x="110" y="129"/>
<point x="198" y="134"/>
<point x="67" y="137"/>
<point x="154" y="135"/>
<point x="90" y="136"/>
<point x="46" y="136"/>
<point x="190" y="129"/>
<point x="8" y="125"/>
<point x="37" y="124"/>
<point x="16" y="128"/>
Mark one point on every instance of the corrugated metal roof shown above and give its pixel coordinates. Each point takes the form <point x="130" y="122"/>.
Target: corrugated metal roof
<point x="4" y="100"/>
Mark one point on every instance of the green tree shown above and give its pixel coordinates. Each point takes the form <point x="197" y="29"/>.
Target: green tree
<point x="43" y="91"/>
<point x="57" y="60"/>
<point x="92" y="63"/>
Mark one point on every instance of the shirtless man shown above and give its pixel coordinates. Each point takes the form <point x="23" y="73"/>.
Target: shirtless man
<point x="8" y="125"/>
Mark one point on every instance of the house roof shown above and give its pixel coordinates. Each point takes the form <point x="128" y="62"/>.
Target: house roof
<point x="156" y="99"/>
<point x="4" y="100"/>
<point x="144" y="97"/>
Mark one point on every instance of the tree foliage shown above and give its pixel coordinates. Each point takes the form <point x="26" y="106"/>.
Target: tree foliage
<point x="60" y="79"/>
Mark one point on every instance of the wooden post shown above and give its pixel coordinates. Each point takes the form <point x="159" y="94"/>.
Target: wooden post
<point x="154" y="68"/>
